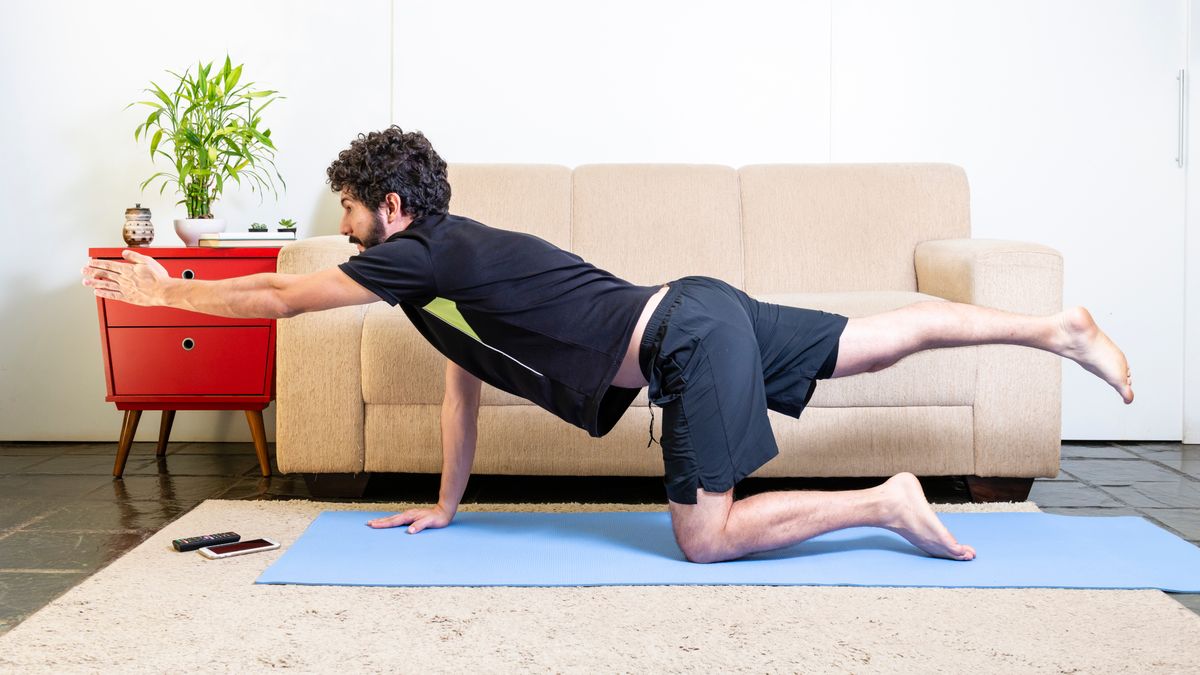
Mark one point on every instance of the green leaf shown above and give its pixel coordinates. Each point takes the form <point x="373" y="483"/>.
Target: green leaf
<point x="188" y="113"/>
<point x="154" y="141"/>
<point x="263" y="138"/>
<point x="264" y="105"/>
<point x="151" y="178"/>
<point x="232" y="79"/>
<point x="192" y="138"/>
<point x="162" y="95"/>
<point x="259" y="94"/>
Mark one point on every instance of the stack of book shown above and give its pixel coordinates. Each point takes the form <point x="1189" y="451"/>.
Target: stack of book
<point x="247" y="239"/>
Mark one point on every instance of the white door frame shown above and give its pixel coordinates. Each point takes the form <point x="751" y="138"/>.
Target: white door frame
<point x="1191" y="292"/>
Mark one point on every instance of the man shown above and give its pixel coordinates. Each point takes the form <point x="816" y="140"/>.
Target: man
<point x="539" y="322"/>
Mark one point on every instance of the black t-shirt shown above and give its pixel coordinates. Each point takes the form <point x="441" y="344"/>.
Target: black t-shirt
<point x="514" y="311"/>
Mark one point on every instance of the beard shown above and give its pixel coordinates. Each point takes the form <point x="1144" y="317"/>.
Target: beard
<point x="374" y="236"/>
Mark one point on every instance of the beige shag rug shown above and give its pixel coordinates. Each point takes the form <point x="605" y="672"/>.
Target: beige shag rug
<point x="155" y="610"/>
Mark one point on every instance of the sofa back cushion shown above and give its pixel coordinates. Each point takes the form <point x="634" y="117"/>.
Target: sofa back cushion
<point x="846" y="227"/>
<point x="530" y="198"/>
<point x="652" y="223"/>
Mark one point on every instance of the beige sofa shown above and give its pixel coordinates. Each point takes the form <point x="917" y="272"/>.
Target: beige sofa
<point x="359" y="390"/>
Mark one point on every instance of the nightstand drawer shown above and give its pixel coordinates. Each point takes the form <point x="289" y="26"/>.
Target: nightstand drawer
<point x="189" y="360"/>
<point x="124" y="314"/>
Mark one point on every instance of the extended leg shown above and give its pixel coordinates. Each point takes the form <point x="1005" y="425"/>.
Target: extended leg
<point x="872" y="343"/>
<point x="718" y="528"/>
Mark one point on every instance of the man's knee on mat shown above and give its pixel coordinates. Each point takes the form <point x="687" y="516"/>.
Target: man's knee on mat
<point x="700" y="527"/>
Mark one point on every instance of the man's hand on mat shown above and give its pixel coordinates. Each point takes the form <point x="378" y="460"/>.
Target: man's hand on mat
<point x="420" y="519"/>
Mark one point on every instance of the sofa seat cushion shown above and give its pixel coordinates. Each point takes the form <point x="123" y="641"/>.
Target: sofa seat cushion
<point x="525" y="440"/>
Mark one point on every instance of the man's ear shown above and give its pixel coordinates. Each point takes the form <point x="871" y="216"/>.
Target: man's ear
<point x="395" y="207"/>
<point x="393" y="216"/>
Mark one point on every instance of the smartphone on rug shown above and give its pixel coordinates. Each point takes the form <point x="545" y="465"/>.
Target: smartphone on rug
<point x="238" y="548"/>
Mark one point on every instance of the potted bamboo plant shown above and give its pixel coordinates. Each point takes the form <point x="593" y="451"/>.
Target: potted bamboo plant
<point x="209" y="127"/>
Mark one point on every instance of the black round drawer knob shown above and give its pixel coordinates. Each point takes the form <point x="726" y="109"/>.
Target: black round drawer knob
<point x="189" y="274"/>
<point x="189" y="344"/>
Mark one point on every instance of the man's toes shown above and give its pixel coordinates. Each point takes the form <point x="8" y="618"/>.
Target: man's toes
<point x="963" y="552"/>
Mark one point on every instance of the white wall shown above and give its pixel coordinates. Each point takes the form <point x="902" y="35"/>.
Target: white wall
<point x="618" y="81"/>
<point x="520" y="81"/>
<point x="1065" y="116"/>
<point x="67" y="70"/>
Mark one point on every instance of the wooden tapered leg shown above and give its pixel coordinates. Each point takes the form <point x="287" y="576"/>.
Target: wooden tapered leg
<point x="128" y="429"/>
<point x="164" y="432"/>
<point x="254" y="417"/>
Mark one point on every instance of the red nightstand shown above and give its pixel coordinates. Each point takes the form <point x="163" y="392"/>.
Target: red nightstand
<point x="158" y="358"/>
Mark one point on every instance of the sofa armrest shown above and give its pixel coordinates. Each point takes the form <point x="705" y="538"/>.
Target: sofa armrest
<point x="1018" y="390"/>
<point x="1009" y="275"/>
<point x="319" y="402"/>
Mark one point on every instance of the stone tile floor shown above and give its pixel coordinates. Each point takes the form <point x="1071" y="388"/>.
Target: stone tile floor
<point x="63" y="517"/>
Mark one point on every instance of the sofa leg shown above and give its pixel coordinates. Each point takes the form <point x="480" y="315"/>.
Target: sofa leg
<point x="995" y="489"/>
<point x="337" y="485"/>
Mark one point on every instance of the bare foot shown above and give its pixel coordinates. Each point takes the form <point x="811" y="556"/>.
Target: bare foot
<point x="1087" y="345"/>
<point x="909" y="515"/>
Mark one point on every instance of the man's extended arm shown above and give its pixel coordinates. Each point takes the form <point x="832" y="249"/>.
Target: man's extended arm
<point x="143" y="281"/>
<point x="460" y="414"/>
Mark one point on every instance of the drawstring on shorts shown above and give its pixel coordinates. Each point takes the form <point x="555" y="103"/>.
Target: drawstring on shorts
<point x="650" y="406"/>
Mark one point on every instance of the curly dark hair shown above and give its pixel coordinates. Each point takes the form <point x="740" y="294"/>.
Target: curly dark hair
<point x="393" y="161"/>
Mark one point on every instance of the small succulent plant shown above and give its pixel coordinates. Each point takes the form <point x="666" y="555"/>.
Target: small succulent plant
<point x="258" y="227"/>
<point x="287" y="223"/>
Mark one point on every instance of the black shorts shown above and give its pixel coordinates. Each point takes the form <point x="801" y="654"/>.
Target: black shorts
<point x="717" y="360"/>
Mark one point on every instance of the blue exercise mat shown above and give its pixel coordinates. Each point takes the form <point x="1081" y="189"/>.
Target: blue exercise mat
<point x="1027" y="550"/>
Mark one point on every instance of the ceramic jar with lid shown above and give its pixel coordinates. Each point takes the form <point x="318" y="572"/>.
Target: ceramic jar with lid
<point x="139" y="231"/>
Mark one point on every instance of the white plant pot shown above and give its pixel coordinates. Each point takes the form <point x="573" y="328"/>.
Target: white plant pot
<point x="190" y="229"/>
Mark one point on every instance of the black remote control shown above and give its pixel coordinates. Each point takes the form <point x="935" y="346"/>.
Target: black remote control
<point x="193" y="543"/>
